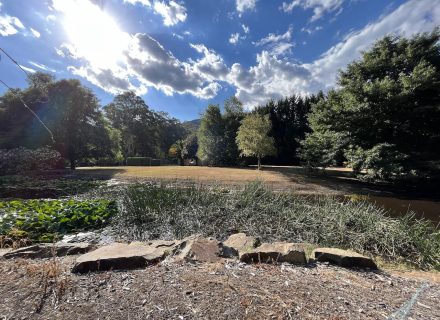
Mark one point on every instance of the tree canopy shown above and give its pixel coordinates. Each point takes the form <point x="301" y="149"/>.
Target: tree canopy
<point x="388" y="105"/>
<point x="253" y="139"/>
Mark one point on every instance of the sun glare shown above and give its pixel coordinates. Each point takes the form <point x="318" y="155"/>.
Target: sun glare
<point x="94" y="34"/>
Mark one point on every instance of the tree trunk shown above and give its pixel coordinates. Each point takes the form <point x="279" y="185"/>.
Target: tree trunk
<point x="259" y="162"/>
<point x="72" y="164"/>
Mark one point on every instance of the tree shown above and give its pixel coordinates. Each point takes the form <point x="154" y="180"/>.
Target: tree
<point x="190" y="147"/>
<point x="75" y="118"/>
<point x="175" y="151"/>
<point x="252" y="137"/>
<point x="211" y="137"/>
<point x="387" y="106"/>
<point x="232" y="117"/>
<point x="144" y="132"/>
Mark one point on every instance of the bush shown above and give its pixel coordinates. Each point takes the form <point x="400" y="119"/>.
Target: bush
<point x="381" y="163"/>
<point x="22" y="160"/>
<point x="164" y="211"/>
<point x="138" y="161"/>
<point x="46" y="220"/>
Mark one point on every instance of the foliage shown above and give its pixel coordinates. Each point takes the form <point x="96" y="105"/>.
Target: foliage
<point x="323" y="149"/>
<point x="382" y="162"/>
<point x="165" y="211"/>
<point x="211" y="137"/>
<point x="143" y="132"/>
<point x="47" y="220"/>
<point x="289" y="125"/>
<point x="190" y="147"/>
<point x="252" y="137"/>
<point x="70" y="110"/>
<point x="388" y="101"/>
<point x="21" y="160"/>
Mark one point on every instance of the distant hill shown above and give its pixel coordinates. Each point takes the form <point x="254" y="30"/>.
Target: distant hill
<point x="192" y="125"/>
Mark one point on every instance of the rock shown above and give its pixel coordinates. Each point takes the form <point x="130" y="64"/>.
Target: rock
<point x="343" y="258"/>
<point x="238" y="243"/>
<point x="196" y="248"/>
<point x="44" y="250"/>
<point x="3" y="252"/>
<point x="124" y="256"/>
<point x="275" y="252"/>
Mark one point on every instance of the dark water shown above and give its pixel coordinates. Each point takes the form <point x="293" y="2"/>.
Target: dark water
<point x="398" y="207"/>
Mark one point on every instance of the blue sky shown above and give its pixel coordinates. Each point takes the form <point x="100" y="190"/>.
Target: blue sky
<point x="182" y="55"/>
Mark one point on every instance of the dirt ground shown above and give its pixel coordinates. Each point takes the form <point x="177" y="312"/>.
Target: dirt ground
<point x="45" y="289"/>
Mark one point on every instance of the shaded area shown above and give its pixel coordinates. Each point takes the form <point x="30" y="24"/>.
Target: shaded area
<point x="51" y="184"/>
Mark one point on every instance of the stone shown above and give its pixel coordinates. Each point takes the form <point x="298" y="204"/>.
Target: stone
<point x="45" y="250"/>
<point x="238" y="243"/>
<point x="3" y="252"/>
<point x="195" y="248"/>
<point x="343" y="258"/>
<point x="275" y="252"/>
<point x="121" y="256"/>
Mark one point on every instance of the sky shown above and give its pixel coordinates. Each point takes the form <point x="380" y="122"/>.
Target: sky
<point x="182" y="55"/>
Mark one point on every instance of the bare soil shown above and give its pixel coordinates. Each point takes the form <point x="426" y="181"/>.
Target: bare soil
<point x="45" y="289"/>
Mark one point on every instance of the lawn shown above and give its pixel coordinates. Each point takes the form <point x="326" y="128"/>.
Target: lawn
<point x="292" y="178"/>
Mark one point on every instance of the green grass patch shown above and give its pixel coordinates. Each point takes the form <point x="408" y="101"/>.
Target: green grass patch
<point x="161" y="210"/>
<point x="47" y="220"/>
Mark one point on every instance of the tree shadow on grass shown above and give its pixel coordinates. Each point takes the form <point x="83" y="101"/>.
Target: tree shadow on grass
<point x="53" y="184"/>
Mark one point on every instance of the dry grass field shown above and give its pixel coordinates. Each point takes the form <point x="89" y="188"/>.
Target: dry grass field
<point x="291" y="178"/>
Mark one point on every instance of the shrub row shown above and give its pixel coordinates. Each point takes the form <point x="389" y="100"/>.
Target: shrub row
<point x="22" y="160"/>
<point x="142" y="161"/>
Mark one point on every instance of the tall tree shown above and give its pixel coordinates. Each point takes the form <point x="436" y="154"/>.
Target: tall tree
<point x="253" y="139"/>
<point x="388" y="105"/>
<point x="211" y="137"/>
<point x="233" y="115"/>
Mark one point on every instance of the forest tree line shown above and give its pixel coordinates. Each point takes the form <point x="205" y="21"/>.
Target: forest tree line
<point x="382" y="120"/>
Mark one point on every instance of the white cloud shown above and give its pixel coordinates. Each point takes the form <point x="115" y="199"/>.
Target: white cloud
<point x="233" y="39"/>
<point x="245" y="28"/>
<point x="144" y="62"/>
<point x="273" y="38"/>
<point x="277" y="44"/>
<point x="28" y="69"/>
<point x="172" y="12"/>
<point x="41" y="66"/>
<point x="273" y="77"/>
<point x="10" y="25"/>
<point x="146" y="3"/>
<point x="244" y="5"/>
<point x="35" y="33"/>
<point x="311" y="30"/>
<point x="320" y="7"/>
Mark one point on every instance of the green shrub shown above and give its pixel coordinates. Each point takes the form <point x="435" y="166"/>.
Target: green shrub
<point x="383" y="162"/>
<point x="46" y="220"/>
<point x="167" y="211"/>
<point x="139" y="161"/>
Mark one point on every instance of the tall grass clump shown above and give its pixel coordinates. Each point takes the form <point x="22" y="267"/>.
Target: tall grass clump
<point x="160" y="210"/>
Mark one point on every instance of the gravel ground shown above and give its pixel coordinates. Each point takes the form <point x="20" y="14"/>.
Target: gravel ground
<point x="45" y="289"/>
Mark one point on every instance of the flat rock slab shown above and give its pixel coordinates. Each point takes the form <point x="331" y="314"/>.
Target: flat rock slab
<point x="124" y="256"/>
<point x="238" y="243"/>
<point x="40" y="251"/>
<point x="196" y="248"/>
<point x="343" y="258"/>
<point x="275" y="252"/>
<point x="3" y="252"/>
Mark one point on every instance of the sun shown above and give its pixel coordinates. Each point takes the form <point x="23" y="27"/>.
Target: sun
<point x="93" y="34"/>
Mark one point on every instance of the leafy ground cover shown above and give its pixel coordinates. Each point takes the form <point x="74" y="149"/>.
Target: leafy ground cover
<point x="47" y="220"/>
<point x="161" y="210"/>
